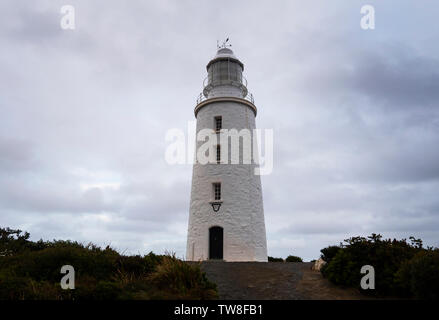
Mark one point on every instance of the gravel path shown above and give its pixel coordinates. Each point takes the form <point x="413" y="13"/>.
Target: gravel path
<point x="255" y="280"/>
<point x="272" y="281"/>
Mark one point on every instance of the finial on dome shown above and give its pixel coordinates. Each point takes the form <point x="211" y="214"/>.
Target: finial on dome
<point x="225" y="44"/>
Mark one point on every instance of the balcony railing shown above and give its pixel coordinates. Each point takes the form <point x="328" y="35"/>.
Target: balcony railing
<point x="242" y="84"/>
<point x="248" y="97"/>
<point x="242" y="81"/>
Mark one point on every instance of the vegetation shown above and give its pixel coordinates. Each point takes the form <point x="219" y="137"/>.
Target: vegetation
<point x="271" y="259"/>
<point x="288" y="259"/>
<point x="329" y="252"/>
<point x="403" y="269"/>
<point x="293" y="259"/>
<point x="419" y="276"/>
<point x="31" y="270"/>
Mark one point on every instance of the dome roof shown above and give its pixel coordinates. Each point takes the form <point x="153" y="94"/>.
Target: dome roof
<point x="225" y="54"/>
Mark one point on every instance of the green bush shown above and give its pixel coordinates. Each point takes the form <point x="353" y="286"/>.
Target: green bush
<point x="177" y="279"/>
<point x="271" y="259"/>
<point x="329" y="252"/>
<point x="13" y="241"/>
<point x="31" y="271"/>
<point x="45" y="265"/>
<point x="138" y="265"/>
<point x="391" y="260"/>
<point x="107" y="290"/>
<point x="293" y="259"/>
<point x="419" y="276"/>
<point x="343" y="270"/>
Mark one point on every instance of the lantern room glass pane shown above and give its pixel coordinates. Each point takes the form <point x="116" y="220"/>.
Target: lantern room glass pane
<point x="223" y="71"/>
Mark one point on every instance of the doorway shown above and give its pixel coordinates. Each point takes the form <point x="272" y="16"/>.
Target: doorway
<point x="216" y="243"/>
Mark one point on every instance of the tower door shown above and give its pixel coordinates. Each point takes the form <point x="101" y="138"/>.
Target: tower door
<point x="216" y="243"/>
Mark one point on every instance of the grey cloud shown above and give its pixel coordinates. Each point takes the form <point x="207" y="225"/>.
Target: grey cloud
<point x="400" y="77"/>
<point x="16" y="155"/>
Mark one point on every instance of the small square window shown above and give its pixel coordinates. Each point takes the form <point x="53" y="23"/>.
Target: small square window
<point x="217" y="191"/>
<point x="218" y="123"/>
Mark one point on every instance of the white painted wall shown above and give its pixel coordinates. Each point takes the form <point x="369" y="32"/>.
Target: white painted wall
<point x="241" y="214"/>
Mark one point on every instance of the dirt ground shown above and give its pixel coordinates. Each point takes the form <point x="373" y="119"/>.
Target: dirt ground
<point x="273" y="281"/>
<point x="313" y="286"/>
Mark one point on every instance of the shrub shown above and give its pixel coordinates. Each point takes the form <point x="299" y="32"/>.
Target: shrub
<point x="343" y="270"/>
<point x="45" y="265"/>
<point x="13" y="241"/>
<point x="293" y="259"/>
<point x="138" y="265"/>
<point x="329" y="252"/>
<point x="386" y="256"/>
<point x="177" y="279"/>
<point x="107" y="290"/>
<point x="271" y="259"/>
<point x="419" y="276"/>
<point x="31" y="270"/>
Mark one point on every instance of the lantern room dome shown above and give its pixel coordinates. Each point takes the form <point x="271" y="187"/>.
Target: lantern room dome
<point x="225" y="54"/>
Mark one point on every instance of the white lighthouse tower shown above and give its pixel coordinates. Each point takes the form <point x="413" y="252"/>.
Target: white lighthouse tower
<point x="226" y="219"/>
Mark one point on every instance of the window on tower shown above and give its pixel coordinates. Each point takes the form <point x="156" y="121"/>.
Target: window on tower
<point x="218" y="154"/>
<point x="218" y="123"/>
<point x="217" y="191"/>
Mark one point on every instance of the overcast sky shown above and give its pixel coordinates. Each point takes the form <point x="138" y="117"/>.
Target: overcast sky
<point x="84" y="113"/>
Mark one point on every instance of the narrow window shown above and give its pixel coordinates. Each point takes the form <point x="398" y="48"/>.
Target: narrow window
<point x="218" y="123"/>
<point x="218" y="154"/>
<point x="217" y="191"/>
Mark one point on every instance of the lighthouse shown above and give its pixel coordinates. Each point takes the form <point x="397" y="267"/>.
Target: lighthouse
<point x="226" y="218"/>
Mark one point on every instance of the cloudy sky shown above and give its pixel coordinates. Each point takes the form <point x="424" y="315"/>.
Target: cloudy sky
<point x="84" y="114"/>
